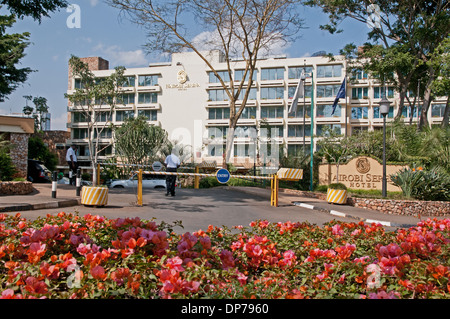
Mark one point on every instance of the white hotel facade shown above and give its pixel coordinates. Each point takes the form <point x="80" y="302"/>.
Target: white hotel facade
<point x="184" y="98"/>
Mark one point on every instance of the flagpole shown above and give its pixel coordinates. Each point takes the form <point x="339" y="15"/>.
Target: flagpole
<point x="346" y="112"/>
<point x="311" y="186"/>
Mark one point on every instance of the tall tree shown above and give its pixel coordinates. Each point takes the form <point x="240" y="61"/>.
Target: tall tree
<point x="238" y="28"/>
<point x="95" y="92"/>
<point x="140" y="143"/>
<point x="412" y="26"/>
<point x="12" y="46"/>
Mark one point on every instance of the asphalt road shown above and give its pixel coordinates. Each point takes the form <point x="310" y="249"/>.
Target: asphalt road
<point x="197" y="209"/>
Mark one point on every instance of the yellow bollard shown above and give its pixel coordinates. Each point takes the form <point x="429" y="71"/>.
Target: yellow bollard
<point x="197" y="178"/>
<point x="274" y="191"/>
<point x="139" y="196"/>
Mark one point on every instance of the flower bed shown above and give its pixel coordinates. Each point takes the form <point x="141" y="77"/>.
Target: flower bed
<point x="68" y="256"/>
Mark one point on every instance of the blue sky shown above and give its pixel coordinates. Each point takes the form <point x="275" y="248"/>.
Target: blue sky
<point x="103" y="33"/>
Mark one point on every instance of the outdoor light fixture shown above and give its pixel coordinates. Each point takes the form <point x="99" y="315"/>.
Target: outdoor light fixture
<point x="384" y="110"/>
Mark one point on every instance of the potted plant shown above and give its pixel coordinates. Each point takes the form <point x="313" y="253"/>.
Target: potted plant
<point x="337" y="193"/>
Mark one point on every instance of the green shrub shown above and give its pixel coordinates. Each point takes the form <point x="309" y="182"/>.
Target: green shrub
<point x="337" y="186"/>
<point x="7" y="169"/>
<point x="432" y="185"/>
<point x="209" y="182"/>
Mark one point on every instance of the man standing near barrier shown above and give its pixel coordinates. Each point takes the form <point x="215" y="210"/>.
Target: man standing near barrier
<point x="171" y="163"/>
<point x="71" y="158"/>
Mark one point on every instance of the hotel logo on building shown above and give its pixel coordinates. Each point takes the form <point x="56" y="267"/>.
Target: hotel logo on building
<point x="182" y="85"/>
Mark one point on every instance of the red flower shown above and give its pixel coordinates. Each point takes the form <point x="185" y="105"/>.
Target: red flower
<point x="98" y="272"/>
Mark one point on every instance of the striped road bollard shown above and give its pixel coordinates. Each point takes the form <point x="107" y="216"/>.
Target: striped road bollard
<point x="337" y="196"/>
<point x="94" y="196"/>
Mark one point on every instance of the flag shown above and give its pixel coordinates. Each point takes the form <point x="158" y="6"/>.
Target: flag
<point x="299" y="89"/>
<point x="340" y="95"/>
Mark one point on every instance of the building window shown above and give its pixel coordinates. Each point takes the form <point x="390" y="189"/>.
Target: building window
<point x="130" y="81"/>
<point x="219" y="113"/>
<point x="272" y="112"/>
<point x="123" y="115"/>
<point x="329" y="71"/>
<point x="79" y="84"/>
<point x="217" y="95"/>
<point x="291" y="92"/>
<point x="126" y="99"/>
<point x="148" y="80"/>
<point x="299" y="113"/>
<point x="360" y="93"/>
<point x="272" y="131"/>
<point x="360" y="112"/>
<point x="150" y="115"/>
<point x="148" y="98"/>
<point x="216" y="150"/>
<point x="437" y="110"/>
<point x="248" y="113"/>
<point x="324" y="129"/>
<point x="224" y="75"/>
<point x="297" y="130"/>
<point x="251" y="95"/>
<point x="272" y="93"/>
<point x="377" y="114"/>
<point x="83" y="150"/>
<point x="295" y="72"/>
<point x="80" y="133"/>
<point x="407" y="111"/>
<point x="245" y="132"/>
<point x="272" y="74"/>
<point x="78" y="117"/>
<point x="104" y="133"/>
<point x="378" y="92"/>
<point x="239" y="74"/>
<point x="328" y="90"/>
<point x="244" y="150"/>
<point x="103" y="116"/>
<point x="297" y="149"/>
<point x="326" y="110"/>
<point x="105" y="151"/>
<point x="359" y="75"/>
<point x="217" y="132"/>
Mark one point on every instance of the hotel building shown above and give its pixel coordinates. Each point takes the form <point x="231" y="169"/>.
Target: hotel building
<point x="185" y="98"/>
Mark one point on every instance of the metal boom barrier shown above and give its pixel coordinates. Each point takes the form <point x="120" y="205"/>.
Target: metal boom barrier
<point x="287" y="174"/>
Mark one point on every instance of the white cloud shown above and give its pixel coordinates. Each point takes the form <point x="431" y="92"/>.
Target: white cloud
<point x="93" y="2"/>
<point x="117" y="56"/>
<point x="210" y="40"/>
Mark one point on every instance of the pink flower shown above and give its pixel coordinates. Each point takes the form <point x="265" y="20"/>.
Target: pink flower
<point x="242" y="278"/>
<point x="227" y="259"/>
<point x="337" y="230"/>
<point x="175" y="263"/>
<point x="7" y="294"/>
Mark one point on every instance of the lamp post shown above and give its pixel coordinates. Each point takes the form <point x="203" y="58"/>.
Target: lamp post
<point x="384" y="110"/>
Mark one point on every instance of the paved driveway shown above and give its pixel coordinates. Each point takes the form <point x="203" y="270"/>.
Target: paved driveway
<point x="197" y="208"/>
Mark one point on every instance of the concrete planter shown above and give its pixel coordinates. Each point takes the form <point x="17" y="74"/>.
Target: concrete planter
<point x="94" y="196"/>
<point x="337" y="196"/>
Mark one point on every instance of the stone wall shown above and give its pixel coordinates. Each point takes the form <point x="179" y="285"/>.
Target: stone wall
<point x="403" y="207"/>
<point x="16" y="188"/>
<point x="387" y="206"/>
<point x="19" y="153"/>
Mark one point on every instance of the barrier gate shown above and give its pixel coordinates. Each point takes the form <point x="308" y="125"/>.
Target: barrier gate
<point x="285" y="174"/>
